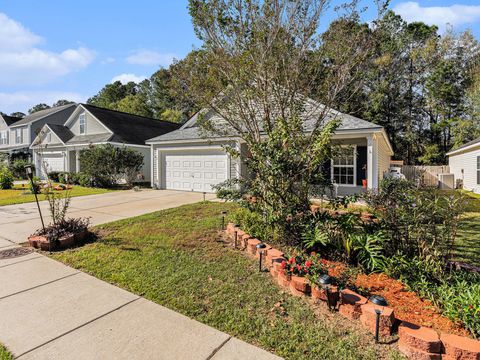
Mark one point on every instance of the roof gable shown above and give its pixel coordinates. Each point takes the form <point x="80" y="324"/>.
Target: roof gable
<point x="128" y="128"/>
<point x="29" y="119"/>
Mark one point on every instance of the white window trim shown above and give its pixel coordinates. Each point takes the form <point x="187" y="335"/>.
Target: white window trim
<point x="354" y="167"/>
<point x="4" y="137"/>
<point x="80" y="116"/>
<point x="478" y="170"/>
<point x="17" y="137"/>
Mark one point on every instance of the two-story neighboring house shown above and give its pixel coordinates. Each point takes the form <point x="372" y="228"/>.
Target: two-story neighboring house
<point x="17" y="136"/>
<point x="5" y="123"/>
<point x="57" y="147"/>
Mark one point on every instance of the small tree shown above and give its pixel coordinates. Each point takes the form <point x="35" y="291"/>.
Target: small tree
<point x="107" y="165"/>
<point x="260" y="61"/>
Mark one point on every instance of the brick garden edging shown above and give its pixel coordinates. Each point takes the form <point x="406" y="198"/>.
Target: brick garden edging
<point x="415" y="342"/>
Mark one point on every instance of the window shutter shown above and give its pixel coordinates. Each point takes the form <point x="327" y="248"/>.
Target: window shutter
<point x="361" y="164"/>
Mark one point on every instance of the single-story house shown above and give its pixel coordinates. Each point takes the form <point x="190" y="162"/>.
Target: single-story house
<point x="464" y="163"/>
<point x="188" y="159"/>
<point x="57" y="147"/>
<point x="16" y="135"/>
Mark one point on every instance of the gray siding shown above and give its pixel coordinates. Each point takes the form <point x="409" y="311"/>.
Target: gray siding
<point x="93" y="125"/>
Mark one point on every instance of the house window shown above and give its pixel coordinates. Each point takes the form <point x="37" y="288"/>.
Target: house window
<point x="18" y="136"/>
<point x="49" y="137"/>
<point x="343" y="166"/>
<point x="81" y="121"/>
<point x="4" y="138"/>
<point x="478" y="170"/>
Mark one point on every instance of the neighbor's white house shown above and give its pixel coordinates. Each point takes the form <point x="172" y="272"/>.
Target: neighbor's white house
<point x="464" y="163"/>
<point x="57" y="147"/>
<point x="188" y="159"/>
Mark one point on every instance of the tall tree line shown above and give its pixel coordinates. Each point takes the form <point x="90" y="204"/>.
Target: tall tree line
<point x="422" y="87"/>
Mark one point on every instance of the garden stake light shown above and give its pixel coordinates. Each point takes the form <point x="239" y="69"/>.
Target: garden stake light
<point x="223" y="219"/>
<point x="325" y="282"/>
<point x="260" y="249"/>
<point x="204" y="194"/>
<point x="29" y="171"/>
<point x="236" y="226"/>
<point x="380" y="301"/>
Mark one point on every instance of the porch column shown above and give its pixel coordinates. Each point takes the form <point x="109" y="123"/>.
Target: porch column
<point x="77" y="161"/>
<point x="372" y="162"/>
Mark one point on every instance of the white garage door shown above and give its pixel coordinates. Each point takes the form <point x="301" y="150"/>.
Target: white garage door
<point x="54" y="162"/>
<point x="194" y="172"/>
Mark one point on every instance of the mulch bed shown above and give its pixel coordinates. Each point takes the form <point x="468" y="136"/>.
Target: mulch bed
<point x="15" y="252"/>
<point x="407" y="304"/>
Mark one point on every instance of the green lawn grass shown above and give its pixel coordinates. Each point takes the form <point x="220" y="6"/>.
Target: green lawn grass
<point x="467" y="247"/>
<point x="176" y="258"/>
<point x="19" y="195"/>
<point x="5" y="354"/>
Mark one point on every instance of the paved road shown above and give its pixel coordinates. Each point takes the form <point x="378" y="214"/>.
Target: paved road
<point x="19" y="221"/>
<point x="51" y="311"/>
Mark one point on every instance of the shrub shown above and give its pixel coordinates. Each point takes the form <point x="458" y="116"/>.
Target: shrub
<point x="107" y="165"/>
<point x="17" y="167"/>
<point x="6" y="178"/>
<point x="417" y="222"/>
<point x="56" y="175"/>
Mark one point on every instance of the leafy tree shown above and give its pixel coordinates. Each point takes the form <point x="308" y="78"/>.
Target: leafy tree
<point x="110" y="94"/>
<point x="134" y="104"/>
<point x="38" y="107"/>
<point x="18" y="114"/>
<point x="62" y="103"/>
<point x="172" y="115"/>
<point x="255" y="80"/>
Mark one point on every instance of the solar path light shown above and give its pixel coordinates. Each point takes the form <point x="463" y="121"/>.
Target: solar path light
<point x="261" y="249"/>
<point x="380" y="301"/>
<point x="326" y="282"/>
<point x="29" y="171"/>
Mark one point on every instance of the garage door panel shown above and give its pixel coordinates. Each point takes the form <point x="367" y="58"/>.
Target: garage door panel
<point x="194" y="171"/>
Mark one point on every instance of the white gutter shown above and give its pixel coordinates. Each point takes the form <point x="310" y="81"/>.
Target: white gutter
<point x="466" y="148"/>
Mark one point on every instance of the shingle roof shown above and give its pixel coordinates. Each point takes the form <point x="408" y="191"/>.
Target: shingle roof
<point x="191" y="130"/>
<point x="128" y="128"/>
<point x="43" y="113"/>
<point x="10" y="119"/>
<point x="470" y="143"/>
<point x="90" y="139"/>
<point x="61" y="131"/>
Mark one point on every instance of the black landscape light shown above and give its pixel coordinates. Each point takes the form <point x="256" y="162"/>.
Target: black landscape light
<point x="260" y="248"/>
<point x="235" y="236"/>
<point x="223" y="219"/>
<point x="326" y="282"/>
<point x="204" y="194"/>
<point x="379" y="301"/>
<point x="29" y="171"/>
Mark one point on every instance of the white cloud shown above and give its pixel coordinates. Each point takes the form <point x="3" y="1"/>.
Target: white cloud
<point x="148" y="57"/>
<point x="24" y="100"/>
<point x="126" y="78"/>
<point x="454" y="15"/>
<point x="108" y="60"/>
<point x="22" y="62"/>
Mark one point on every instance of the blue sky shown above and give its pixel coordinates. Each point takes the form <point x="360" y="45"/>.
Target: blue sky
<point x="56" y="49"/>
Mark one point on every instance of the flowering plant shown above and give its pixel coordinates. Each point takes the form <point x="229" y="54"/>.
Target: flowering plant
<point x="303" y="265"/>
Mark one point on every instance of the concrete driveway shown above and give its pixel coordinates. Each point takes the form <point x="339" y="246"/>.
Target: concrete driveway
<point x="19" y="221"/>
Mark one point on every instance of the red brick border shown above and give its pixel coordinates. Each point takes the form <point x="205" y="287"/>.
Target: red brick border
<point x="415" y="342"/>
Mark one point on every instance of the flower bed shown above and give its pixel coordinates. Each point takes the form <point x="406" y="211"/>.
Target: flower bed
<point x="63" y="235"/>
<point x="406" y="313"/>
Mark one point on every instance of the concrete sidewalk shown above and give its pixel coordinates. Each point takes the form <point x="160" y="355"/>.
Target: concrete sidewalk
<point x="19" y="221"/>
<point x="51" y="311"/>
